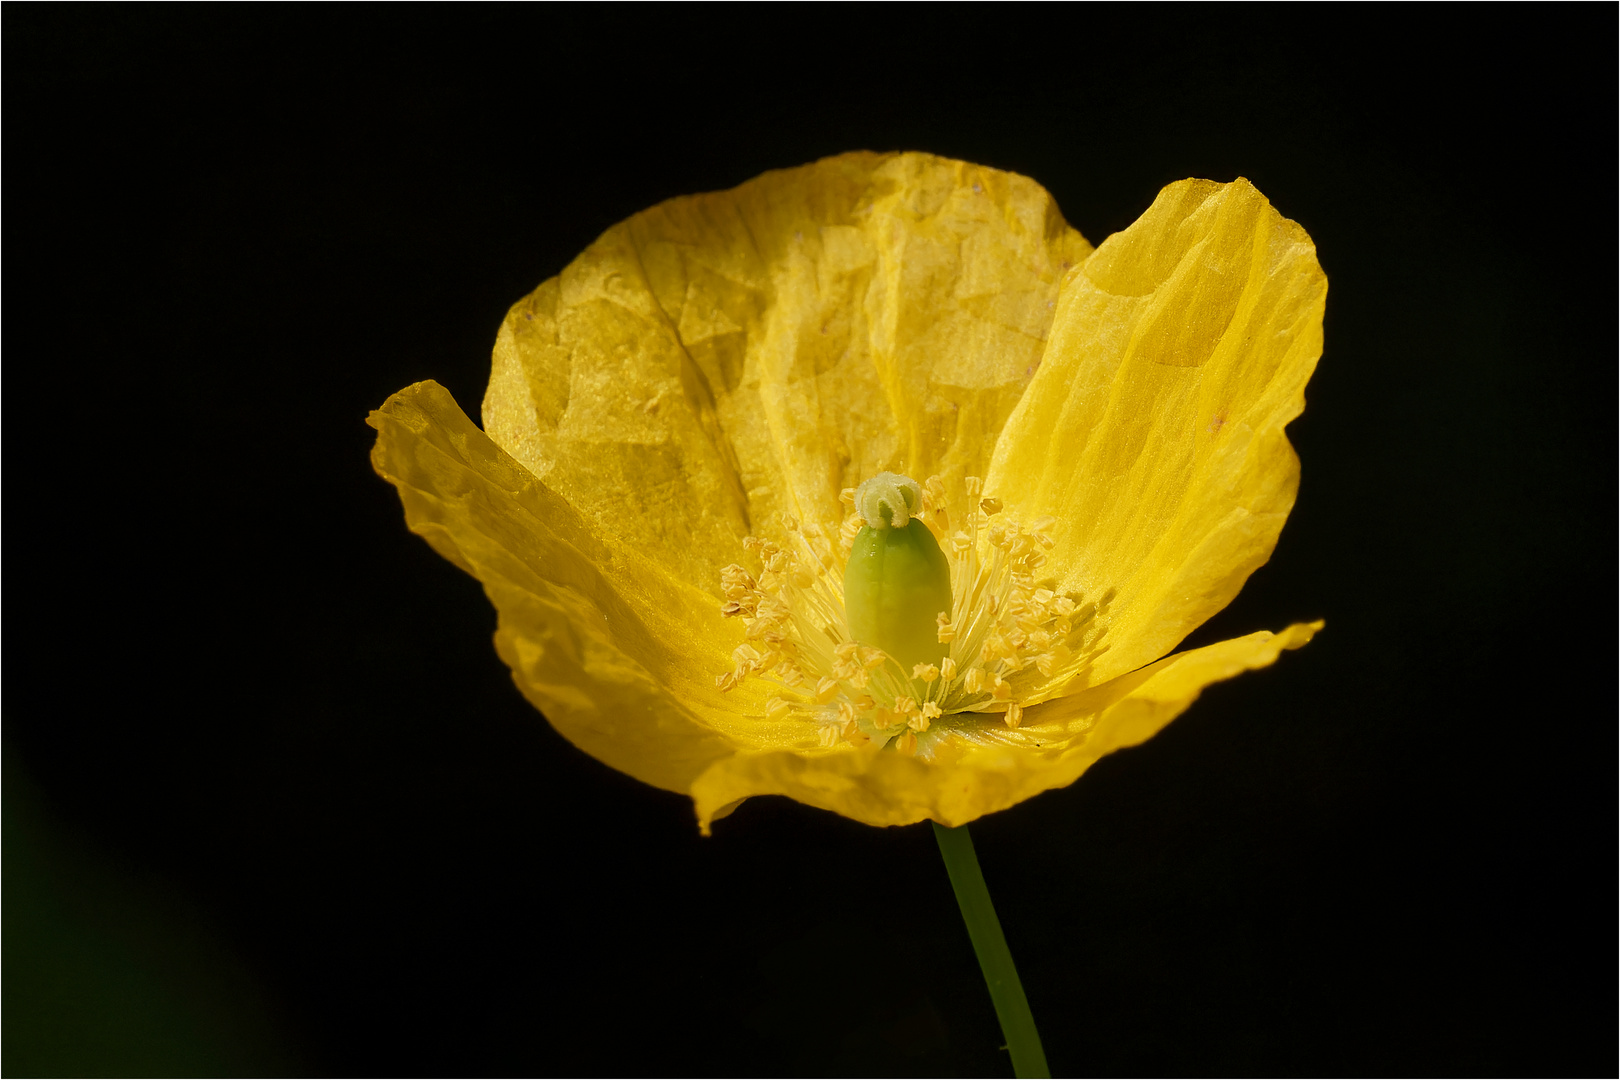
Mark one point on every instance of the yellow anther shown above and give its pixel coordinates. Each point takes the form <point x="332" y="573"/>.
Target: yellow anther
<point x="997" y="647"/>
<point x="832" y="683"/>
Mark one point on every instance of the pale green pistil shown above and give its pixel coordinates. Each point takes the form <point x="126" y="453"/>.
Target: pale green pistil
<point x="898" y="580"/>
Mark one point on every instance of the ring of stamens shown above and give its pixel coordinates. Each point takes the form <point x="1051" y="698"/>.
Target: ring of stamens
<point x="1005" y="627"/>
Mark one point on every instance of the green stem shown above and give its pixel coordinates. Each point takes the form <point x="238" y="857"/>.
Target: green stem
<point x="995" y="960"/>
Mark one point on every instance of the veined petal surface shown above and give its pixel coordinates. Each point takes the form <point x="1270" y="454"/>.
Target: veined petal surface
<point x="723" y="358"/>
<point x="616" y="653"/>
<point x="1153" y="430"/>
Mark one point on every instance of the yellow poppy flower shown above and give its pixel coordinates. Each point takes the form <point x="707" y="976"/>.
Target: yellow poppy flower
<point x="660" y="502"/>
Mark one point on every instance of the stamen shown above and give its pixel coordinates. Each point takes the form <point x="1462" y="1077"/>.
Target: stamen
<point x="992" y="638"/>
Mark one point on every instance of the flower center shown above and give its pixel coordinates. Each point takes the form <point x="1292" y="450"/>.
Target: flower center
<point x="888" y="650"/>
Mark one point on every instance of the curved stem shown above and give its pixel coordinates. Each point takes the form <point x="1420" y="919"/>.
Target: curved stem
<point x="995" y="960"/>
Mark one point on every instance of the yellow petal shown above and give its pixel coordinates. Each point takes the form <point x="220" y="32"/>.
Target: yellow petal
<point x="724" y="357"/>
<point x="1057" y="741"/>
<point x="1154" y="428"/>
<point x="618" y="655"/>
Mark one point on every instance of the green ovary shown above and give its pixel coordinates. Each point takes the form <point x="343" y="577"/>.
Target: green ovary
<point x="896" y="583"/>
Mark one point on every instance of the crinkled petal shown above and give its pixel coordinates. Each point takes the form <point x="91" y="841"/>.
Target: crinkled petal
<point x="1058" y="741"/>
<point x="618" y="655"/>
<point x="723" y="358"/>
<point x="1154" y="428"/>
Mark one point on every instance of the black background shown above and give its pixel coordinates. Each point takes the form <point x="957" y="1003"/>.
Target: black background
<point x="273" y="803"/>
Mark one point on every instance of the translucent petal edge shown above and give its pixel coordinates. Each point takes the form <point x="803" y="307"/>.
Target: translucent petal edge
<point x="580" y="642"/>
